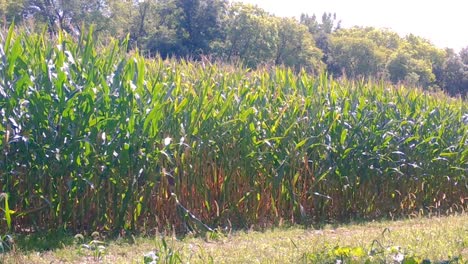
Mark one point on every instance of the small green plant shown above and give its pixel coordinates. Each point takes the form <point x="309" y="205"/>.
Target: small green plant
<point x="97" y="247"/>
<point x="6" y="210"/>
<point x="381" y="251"/>
<point x="6" y="243"/>
<point x="215" y="235"/>
<point x="164" y="254"/>
<point x="151" y="257"/>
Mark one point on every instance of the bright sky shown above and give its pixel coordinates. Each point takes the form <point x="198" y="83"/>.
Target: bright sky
<point x="444" y="23"/>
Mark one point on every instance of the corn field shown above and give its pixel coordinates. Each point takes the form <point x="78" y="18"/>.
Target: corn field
<point x="93" y="138"/>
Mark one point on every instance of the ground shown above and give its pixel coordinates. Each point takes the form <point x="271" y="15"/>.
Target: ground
<point x="434" y="239"/>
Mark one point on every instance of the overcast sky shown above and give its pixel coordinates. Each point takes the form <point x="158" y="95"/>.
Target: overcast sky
<point x="445" y="23"/>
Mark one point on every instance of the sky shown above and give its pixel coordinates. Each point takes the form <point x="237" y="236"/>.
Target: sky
<point x="444" y="23"/>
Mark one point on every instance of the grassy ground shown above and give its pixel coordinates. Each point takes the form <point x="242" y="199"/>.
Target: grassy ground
<point x="434" y="239"/>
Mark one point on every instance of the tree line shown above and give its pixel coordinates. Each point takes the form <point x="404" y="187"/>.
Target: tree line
<point x="237" y="32"/>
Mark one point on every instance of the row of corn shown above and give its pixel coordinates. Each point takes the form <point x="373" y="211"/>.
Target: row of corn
<point x="95" y="138"/>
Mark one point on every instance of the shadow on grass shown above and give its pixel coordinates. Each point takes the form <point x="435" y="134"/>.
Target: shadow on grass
<point x="44" y="241"/>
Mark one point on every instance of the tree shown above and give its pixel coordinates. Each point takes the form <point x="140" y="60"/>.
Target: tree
<point x="187" y="27"/>
<point x="464" y="55"/>
<point x="321" y="31"/>
<point x="251" y="36"/>
<point x="139" y="20"/>
<point x="296" y="47"/>
<point x="423" y="60"/>
<point x="398" y="67"/>
<point x="65" y="14"/>
<point x="382" y="53"/>
<point x="11" y="11"/>
<point x="382" y="38"/>
<point x="403" y="68"/>
<point x="121" y="18"/>
<point x="453" y="77"/>
<point x="356" y="57"/>
<point x="201" y="23"/>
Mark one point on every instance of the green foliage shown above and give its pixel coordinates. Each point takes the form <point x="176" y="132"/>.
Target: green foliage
<point x="93" y="138"/>
<point x="6" y="241"/>
<point x="424" y="57"/>
<point x="183" y="28"/>
<point x="67" y="15"/>
<point x="321" y="30"/>
<point x="296" y="48"/>
<point x="438" y="239"/>
<point x="356" y="57"/>
<point x="251" y="36"/>
<point x="257" y="38"/>
<point x="453" y="74"/>
<point x="10" y="11"/>
<point x="380" y="251"/>
<point x="371" y="52"/>
<point x="97" y="247"/>
<point x="6" y="209"/>
<point x="214" y="30"/>
<point x="165" y="253"/>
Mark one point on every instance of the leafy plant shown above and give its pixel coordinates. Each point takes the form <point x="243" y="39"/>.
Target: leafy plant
<point x="164" y="254"/>
<point x="93" y="138"/>
<point x="380" y="251"/>
<point x="6" y="241"/>
<point x="6" y="210"/>
<point x="97" y="247"/>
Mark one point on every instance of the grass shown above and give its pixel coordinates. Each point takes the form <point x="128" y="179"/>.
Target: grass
<point x="436" y="239"/>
